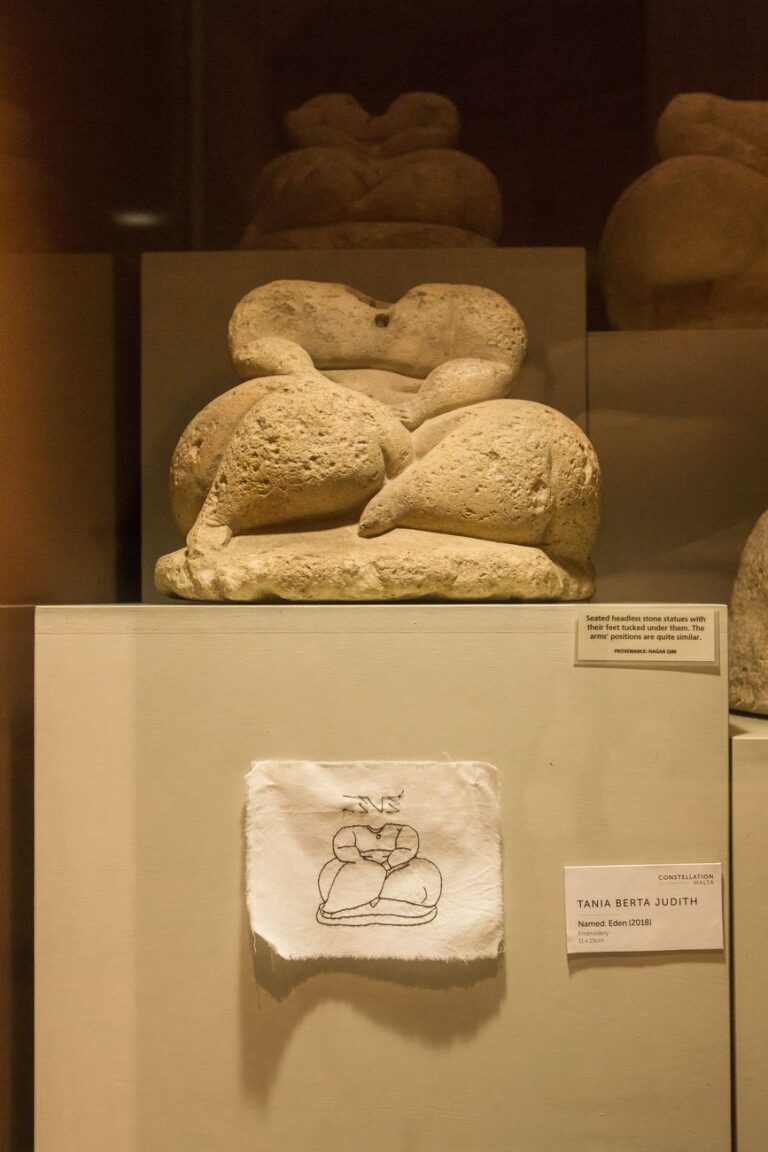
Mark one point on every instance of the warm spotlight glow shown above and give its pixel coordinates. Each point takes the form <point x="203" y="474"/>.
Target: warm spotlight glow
<point x="139" y="218"/>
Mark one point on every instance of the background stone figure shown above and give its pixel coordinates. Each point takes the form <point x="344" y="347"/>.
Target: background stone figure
<point x="686" y="245"/>
<point x="748" y="625"/>
<point x="361" y="181"/>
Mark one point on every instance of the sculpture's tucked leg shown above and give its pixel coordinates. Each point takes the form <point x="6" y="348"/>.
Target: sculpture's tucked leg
<point x="307" y="449"/>
<point x="490" y="481"/>
<point x="510" y="471"/>
<point x="208" y="537"/>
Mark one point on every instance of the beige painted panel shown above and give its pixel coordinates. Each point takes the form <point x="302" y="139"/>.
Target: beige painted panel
<point x="749" y="752"/>
<point x="58" y="534"/>
<point x="188" y="297"/>
<point x="158" y="1025"/>
<point x="85" y="909"/>
<point x="680" y="424"/>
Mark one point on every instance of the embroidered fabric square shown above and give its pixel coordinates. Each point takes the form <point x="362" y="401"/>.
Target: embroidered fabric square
<point x="375" y="859"/>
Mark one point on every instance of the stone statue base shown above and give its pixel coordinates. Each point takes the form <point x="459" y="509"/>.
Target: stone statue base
<point x="338" y="564"/>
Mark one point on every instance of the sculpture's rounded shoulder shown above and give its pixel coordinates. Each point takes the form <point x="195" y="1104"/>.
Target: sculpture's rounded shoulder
<point x="339" y="326"/>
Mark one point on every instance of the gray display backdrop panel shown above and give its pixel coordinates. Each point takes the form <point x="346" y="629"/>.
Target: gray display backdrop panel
<point x="158" y="1027"/>
<point x="680" y="424"/>
<point x="749" y="757"/>
<point x="188" y="298"/>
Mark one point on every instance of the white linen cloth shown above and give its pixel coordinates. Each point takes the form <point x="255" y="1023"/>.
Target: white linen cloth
<point x="375" y="859"/>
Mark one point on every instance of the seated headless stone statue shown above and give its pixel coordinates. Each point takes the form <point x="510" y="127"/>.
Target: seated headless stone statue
<point x="333" y="380"/>
<point x="355" y="180"/>
<point x="357" y="419"/>
<point x="376" y="876"/>
<point x="686" y="245"/>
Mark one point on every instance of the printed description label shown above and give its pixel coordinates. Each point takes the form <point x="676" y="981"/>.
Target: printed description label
<point x="644" y="908"/>
<point x="652" y="634"/>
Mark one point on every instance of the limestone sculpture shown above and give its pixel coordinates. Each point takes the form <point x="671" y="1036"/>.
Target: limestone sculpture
<point x="360" y="181"/>
<point x="686" y="245"/>
<point x="748" y="625"/>
<point x="369" y="453"/>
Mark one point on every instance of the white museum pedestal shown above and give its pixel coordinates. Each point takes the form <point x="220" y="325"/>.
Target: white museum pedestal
<point x="749" y="768"/>
<point x="159" y="1027"/>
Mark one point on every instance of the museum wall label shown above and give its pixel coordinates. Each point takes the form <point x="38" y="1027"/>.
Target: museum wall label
<point x="670" y="634"/>
<point x="644" y="908"/>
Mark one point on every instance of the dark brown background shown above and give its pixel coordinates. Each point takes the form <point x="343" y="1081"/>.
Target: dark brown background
<point x="169" y="108"/>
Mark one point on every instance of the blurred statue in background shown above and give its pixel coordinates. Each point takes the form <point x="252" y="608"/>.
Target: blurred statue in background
<point x="686" y="245"/>
<point x="748" y="625"/>
<point x="360" y="181"/>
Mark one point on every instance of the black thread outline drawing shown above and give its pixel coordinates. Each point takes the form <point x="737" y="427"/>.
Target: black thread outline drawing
<point x="389" y="804"/>
<point x="377" y="877"/>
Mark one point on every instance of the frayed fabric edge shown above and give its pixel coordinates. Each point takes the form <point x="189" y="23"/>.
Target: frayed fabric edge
<point x="324" y="958"/>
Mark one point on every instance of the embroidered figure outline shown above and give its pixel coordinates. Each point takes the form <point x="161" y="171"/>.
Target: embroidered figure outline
<point x="377" y="877"/>
<point x="388" y="804"/>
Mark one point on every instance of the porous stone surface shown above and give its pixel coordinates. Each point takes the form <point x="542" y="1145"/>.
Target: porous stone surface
<point x="748" y="625"/>
<point x="303" y="448"/>
<point x="337" y="564"/>
<point x="446" y="344"/>
<point x="507" y="470"/>
<point x="686" y="245"/>
<point x="373" y="436"/>
<point x="373" y="181"/>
